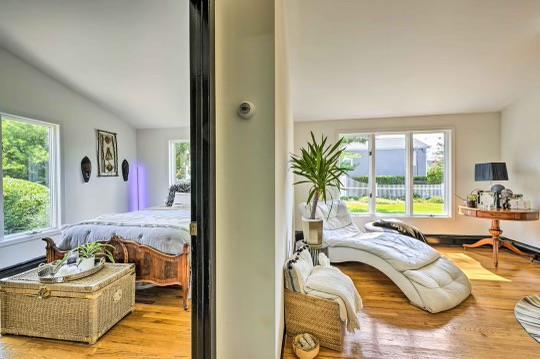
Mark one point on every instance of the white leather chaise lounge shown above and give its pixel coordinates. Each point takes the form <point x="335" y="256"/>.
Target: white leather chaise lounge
<point x="430" y="281"/>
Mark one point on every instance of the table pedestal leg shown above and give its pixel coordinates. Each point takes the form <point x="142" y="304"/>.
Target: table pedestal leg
<point x="494" y="241"/>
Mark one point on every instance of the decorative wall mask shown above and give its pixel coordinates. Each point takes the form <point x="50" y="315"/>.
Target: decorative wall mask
<point x="107" y="154"/>
<point x="125" y="170"/>
<point x="86" y="168"/>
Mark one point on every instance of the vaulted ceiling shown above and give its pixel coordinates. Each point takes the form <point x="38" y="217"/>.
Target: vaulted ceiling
<point x="129" y="56"/>
<point x="364" y="58"/>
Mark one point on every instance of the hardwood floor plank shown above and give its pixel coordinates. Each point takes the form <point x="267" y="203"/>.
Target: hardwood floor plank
<point x="481" y="327"/>
<point x="161" y="329"/>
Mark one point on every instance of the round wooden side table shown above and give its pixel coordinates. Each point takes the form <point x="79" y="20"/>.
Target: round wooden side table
<point x="314" y="250"/>
<point x="497" y="215"/>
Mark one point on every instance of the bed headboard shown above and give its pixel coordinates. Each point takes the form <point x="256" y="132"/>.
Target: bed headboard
<point x="182" y="187"/>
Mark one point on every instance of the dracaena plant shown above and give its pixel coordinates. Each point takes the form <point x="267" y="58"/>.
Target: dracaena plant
<point x="319" y="165"/>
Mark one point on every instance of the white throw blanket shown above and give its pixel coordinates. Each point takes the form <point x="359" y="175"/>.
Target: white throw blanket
<point x="329" y="282"/>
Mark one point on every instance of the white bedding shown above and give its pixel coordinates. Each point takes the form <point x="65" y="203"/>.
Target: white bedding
<point x="165" y="229"/>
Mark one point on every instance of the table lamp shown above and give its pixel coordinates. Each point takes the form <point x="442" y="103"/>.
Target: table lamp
<point x="492" y="171"/>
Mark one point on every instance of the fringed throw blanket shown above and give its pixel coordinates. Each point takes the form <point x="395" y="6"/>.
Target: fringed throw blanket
<point x="330" y="282"/>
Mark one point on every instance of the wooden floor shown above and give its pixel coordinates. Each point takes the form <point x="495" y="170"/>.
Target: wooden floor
<point x="158" y="328"/>
<point x="482" y="327"/>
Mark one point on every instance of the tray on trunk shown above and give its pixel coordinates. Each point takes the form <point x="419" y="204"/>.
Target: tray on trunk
<point x="48" y="278"/>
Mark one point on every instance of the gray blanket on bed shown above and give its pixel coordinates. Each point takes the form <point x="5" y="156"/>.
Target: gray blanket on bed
<point x="166" y="230"/>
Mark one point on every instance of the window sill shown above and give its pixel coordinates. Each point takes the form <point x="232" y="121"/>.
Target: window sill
<point x="15" y="239"/>
<point x="392" y="215"/>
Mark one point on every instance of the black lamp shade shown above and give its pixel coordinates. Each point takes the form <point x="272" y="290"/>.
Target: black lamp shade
<point x="492" y="171"/>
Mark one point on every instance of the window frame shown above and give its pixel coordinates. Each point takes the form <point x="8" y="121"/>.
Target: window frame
<point x="54" y="183"/>
<point x="409" y="173"/>
<point x="172" y="159"/>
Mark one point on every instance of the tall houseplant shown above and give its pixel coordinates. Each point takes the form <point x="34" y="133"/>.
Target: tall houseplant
<point x="318" y="165"/>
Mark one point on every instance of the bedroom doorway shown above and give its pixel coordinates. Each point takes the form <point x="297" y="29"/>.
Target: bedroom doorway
<point x="107" y="113"/>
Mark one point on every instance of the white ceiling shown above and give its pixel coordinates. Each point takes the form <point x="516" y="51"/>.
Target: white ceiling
<point x="129" y="56"/>
<point x="366" y="58"/>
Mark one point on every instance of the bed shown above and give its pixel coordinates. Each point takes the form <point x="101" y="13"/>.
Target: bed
<point x="157" y="240"/>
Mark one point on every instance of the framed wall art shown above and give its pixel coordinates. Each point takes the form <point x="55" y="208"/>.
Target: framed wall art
<point x="107" y="154"/>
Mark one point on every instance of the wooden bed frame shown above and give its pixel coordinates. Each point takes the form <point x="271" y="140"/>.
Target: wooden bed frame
<point x="151" y="265"/>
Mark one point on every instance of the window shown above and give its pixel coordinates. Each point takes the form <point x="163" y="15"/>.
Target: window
<point x="30" y="176"/>
<point x="398" y="173"/>
<point x="179" y="161"/>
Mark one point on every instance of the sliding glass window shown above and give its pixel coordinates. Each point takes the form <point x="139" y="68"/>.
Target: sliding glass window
<point x="30" y="176"/>
<point x="398" y="173"/>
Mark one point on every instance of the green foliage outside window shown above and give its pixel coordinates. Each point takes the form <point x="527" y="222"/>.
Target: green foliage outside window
<point x="183" y="161"/>
<point x="26" y="205"/>
<point x="25" y="151"/>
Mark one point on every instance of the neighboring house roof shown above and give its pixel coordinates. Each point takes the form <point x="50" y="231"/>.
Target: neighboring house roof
<point x="390" y="143"/>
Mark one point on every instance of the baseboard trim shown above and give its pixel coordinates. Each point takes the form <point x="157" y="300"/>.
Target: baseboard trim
<point x="459" y="240"/>
<point x="21" y="267"/>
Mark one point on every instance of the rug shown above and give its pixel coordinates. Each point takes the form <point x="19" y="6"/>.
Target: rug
<point x="474" y="269"/>
<point x="527" y="313"/>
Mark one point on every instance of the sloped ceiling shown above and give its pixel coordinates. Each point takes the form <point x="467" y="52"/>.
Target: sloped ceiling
<point x="129" y="56"/>
<point x="365" y="59"/>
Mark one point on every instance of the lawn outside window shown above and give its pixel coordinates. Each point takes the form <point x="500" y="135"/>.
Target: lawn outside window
<point x="405" y="173"/>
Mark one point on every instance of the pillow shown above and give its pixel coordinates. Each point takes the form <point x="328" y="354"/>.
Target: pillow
<point x="402" y="228"/>
<point x="297" y="270"/>
<point x="182" y="200"/>
<point x="182" y="187"/>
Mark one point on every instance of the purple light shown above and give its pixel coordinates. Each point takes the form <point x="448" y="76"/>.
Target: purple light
<point x="141" y="188"/>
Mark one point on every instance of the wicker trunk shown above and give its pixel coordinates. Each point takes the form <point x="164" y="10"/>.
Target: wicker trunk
<point x="317" y="316"/>
<point x="82" y="310"/>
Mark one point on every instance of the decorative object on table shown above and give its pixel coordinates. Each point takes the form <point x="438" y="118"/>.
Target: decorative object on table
<point x="107" y="154"/>
<point x="397" y="226"/>
<point x="89" y="252"/>
<point x="492" y="171"/>
<point x="86" y="168"/>
<point x="319" y="166"/>
<point x="486" y="200"/>
<point x="527" y="313"/>
<point x="305" y="346"/>
<point x="472" y="200"/>
<point x="46" y="272"/>
<point x="82" y="310"/>
<point x="496" y="215"/>
<point x="506" y="196"/>
<point x="125" y="170"/>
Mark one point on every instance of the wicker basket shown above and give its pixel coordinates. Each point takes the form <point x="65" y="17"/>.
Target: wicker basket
<point x="317" y="316"/>
<point x="82" y="310"/>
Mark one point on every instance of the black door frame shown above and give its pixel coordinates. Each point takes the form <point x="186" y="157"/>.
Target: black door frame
<point x="203" y="212"/>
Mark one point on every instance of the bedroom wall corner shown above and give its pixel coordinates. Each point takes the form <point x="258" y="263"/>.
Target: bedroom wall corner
<point x="153" y="163"/>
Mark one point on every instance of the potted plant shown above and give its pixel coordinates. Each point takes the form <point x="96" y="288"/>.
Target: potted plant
<point x="89" y="252"/>
<point x="318" y="165"/>
<point x="472" y="200"/>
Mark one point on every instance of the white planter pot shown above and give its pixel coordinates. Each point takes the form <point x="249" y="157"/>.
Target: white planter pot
<point x="87" y="263"/>
<point x="313" y="231"/>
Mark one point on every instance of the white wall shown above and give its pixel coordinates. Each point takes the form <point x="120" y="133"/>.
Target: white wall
<point x="284" y="145"/>
<point x="520" y="148"/>
<point x="250" y="172"/>
<point x="475" y="139"/>
<point x="153" y="163"/>
<point x="25" y="91"/>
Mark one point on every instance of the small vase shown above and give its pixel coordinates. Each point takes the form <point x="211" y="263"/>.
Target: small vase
<point x="87" y="263"/>
<point x="471" y="204"/>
